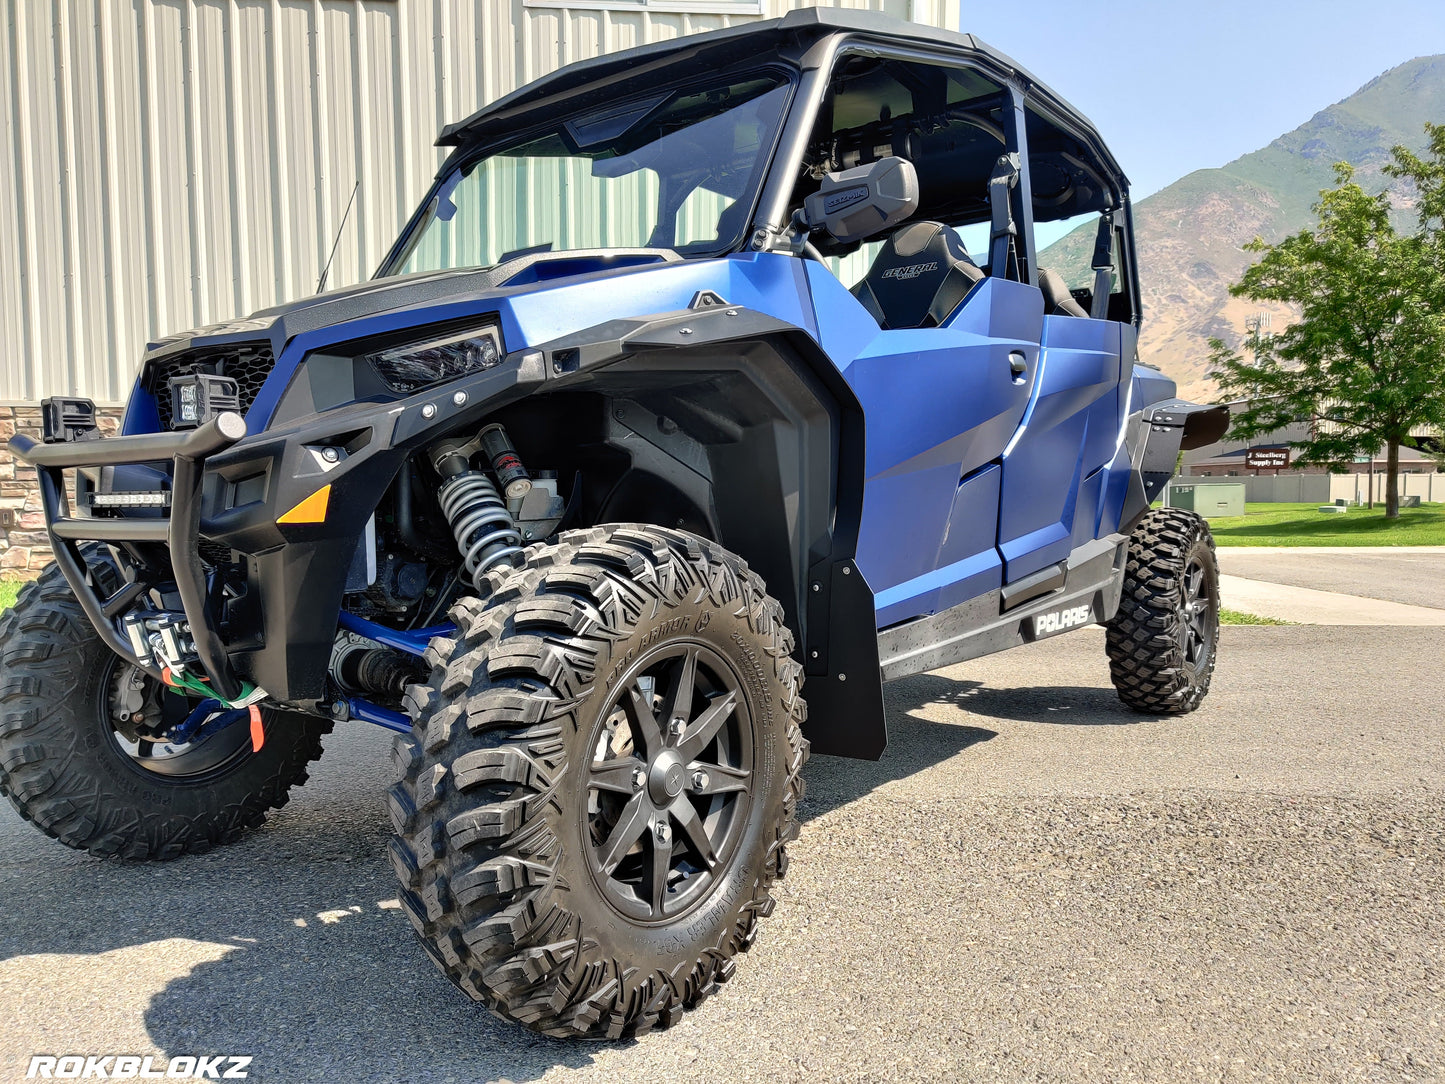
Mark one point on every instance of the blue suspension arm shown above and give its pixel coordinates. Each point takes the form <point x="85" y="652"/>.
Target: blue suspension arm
<point x="411" y="642"/>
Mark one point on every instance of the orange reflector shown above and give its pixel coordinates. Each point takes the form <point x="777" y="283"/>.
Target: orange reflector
<point x="311" y="510"/>
<point x="258" y="732"/>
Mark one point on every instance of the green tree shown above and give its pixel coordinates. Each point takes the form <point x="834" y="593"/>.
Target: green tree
<point x="1365" y="362"/>
<point x="1427" y="175"/>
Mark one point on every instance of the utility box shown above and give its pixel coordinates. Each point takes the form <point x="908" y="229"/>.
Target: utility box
<point x="1210" y="501"/>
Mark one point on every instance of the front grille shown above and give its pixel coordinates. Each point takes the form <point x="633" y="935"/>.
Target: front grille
<point x="248" y="364"/>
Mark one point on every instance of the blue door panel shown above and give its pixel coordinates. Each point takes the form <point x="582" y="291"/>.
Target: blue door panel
<point x="970" y="528"/>
<point x="903" y="519"/>
<point x="966" y="564"/>
<point x="1050" y="542"/>
<point x="955" y="583"/>
<point x="1114" y="488"/>
<point x="940" y="403"/>
<point x="1086" y="508"/>
<point x="968" y="540"/>
<point x="1069" y="433"/>
<point x="1003" y="310"/>
<point x="844" y="326"/>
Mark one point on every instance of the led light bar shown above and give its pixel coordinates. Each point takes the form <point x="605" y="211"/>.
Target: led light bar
<point x="142" y="499"/>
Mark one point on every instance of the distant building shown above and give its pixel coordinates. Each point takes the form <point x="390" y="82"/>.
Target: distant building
<point x="1228" y="458"/>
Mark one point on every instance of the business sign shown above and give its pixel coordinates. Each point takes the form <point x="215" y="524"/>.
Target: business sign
<point x="1267" y="459"/>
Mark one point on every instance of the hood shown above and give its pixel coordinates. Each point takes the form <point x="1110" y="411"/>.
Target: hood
<point x="281" y="323"/>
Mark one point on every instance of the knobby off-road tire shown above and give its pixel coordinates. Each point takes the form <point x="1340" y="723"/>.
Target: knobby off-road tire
<point x="532" y="760"/>
<point x="1163" y="640"/>
<point x="63" y="767"/>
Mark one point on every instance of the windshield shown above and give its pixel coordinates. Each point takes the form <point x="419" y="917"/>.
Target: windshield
<point x="677" y="170"/>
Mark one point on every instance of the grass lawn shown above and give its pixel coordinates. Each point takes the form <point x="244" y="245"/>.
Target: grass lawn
<point x="8" y="590"/>
<point x="1235" y="617"/>
<point x="1306" y="525"/>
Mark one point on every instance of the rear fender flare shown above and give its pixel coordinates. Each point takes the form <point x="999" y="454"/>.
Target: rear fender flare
<point x="1158" y="432"/>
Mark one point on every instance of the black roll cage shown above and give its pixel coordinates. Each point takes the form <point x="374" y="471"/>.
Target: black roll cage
<point x="818" y="42"/>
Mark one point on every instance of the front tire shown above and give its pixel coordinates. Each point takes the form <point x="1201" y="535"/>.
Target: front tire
<point x="1163" y="640"/>
<point x="601" y="781"/>
<point x="68" y="768"/>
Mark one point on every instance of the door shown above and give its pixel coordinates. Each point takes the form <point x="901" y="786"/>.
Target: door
<point x="1056" y="474"/>
<point x="941" y="405"/>
<point x="944" y="385"/>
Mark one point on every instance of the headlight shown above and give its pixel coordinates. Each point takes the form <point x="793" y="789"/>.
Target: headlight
<point x="410" y="368"/>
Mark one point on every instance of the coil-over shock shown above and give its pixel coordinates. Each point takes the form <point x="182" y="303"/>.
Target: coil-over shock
<point x="480" y="519"/>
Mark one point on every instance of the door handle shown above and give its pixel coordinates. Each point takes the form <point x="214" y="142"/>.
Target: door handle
<point x="1018" y="365"/>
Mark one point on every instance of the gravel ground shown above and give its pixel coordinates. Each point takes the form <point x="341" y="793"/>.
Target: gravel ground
<point x="1413" y="576"/>
<point x="1031" y="885"/>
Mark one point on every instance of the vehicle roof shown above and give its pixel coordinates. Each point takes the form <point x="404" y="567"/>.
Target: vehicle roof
<point x="794" y="32"/>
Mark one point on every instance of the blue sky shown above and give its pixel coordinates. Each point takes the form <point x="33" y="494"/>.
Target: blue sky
<point x="1174" y="87"/>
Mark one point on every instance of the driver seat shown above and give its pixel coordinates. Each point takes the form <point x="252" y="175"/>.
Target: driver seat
<point x="919" y="277"/>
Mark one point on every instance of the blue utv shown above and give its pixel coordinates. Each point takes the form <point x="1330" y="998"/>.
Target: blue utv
<point x="708" y="376"/>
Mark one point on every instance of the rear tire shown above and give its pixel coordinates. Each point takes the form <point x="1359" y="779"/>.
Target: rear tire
<point x="586" y="835"/>
<point x="65" y="768"/>
<point x="1163" y="640"/>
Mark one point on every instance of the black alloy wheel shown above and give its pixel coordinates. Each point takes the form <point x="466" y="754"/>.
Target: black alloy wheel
<point x="669" y="784"/>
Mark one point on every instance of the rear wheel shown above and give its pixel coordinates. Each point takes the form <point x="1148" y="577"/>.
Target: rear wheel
<point x="78" y="755"/>
<point x="1162" y="641"/>
<point x="601" y="781"/>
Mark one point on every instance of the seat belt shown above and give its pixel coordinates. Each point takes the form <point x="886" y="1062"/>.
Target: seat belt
<point x="1103" y="267"/>
<point x="1002" y="252"/>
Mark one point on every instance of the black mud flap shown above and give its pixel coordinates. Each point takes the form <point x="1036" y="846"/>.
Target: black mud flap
<point x="844" y="686"/>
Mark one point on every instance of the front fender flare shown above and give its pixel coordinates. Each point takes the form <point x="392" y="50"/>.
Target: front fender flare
<point x="827" y="598"/>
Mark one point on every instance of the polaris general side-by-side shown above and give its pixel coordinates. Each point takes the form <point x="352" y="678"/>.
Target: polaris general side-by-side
<point x="708" y="377"/>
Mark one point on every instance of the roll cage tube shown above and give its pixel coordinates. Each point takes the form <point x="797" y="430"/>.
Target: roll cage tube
<point x="818" y="63"/>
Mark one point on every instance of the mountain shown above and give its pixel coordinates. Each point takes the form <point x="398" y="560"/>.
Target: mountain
<point x="1190" y="236"/>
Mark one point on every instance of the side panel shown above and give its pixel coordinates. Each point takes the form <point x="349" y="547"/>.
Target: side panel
<point x="1050" y="474"/>
<point x="1114" y="479"/>
<point x="941" y="403"/>
<point x="967" y="563"/>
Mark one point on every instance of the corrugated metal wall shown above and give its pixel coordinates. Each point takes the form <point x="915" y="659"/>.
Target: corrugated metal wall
<point x="170" y="163"/>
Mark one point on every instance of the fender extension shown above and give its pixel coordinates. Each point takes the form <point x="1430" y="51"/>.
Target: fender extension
<point x="1159" y="432"/>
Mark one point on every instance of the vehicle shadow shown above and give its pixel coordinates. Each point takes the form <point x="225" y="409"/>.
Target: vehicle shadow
<point x="914" y="744"/>
<point x="321" y="978"/>
<point x="1065" y="705"/>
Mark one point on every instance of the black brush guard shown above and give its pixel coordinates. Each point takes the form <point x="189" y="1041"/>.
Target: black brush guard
<point x="180" y="533"/>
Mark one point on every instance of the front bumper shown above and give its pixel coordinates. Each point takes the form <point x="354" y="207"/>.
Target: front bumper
<point x="278" y="633"/>
<point x="180" y="533"/>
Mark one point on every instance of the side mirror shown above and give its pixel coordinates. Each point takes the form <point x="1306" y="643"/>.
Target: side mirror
<point x="857" y="203"/>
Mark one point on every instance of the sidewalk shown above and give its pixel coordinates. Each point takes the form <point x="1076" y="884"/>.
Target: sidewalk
<point x="1336" y="585"/>
<point x="1306" y="606"/>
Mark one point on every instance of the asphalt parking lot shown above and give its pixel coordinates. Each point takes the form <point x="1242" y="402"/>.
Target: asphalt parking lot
<point x="1033" y="884"/>
<point x="1412" y="575"/>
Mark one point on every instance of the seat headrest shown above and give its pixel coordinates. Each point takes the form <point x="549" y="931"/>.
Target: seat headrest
<point x="920" y="275"/>
<point x="1057" y="298"/>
